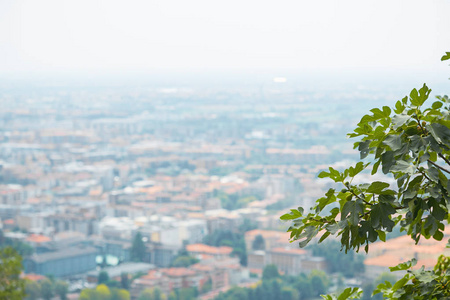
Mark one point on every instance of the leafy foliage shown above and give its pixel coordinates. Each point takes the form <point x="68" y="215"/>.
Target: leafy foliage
<point x="151" y="294"/>
<point x="46" y="289"/>
<point x="419" y="284"/>
<point x="103" y="292"/>
<point x="349" y="264"/>
<point x="22" y="248"/>
<point x="411" y="143"/>
<point x="184" y="261"/>
<point x="138" y="248"/>
<point x="61" y="289"/>
<point x="103" y="277"/>
<point x="259" y="243"/>
<point x="414" y="146"/>
<point x="270" y="272"/>
<point x="32" y="290"/>
<point x="231" y="239"/>
<point x="11" y="285"/>
<point x="275" y="286"/>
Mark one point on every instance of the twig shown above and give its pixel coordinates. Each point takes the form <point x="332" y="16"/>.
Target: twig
<point x="443" y="157"/>
<point x="438" y="166"/>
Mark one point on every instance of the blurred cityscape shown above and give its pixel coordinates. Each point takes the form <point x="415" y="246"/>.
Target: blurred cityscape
<point x="179" y="189"/>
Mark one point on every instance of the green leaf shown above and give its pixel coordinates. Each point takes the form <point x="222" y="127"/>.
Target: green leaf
<point x="352" y="209"/>
<point x="393" y="141"/>
<point x="399" y="107"/>
<point x="382" y="235"/>
<point x="438" y="235"/>
<point x="400" y="283"/>
<point x="375" y="167"/>
<point x="323" y="174"/>
<point x="424" y="92"/>
<point x="380" y="216"/>
<point x="324" y="201"/>
<point x="350" y="293"/>
<point x="294" y="214"/>
<point x="440" y="132"/>
<point x="400" y="120"/>
<point x="386" y="111"/>
<point x="377" y="113"/>
<point x="404" y="266"/>
<point x="364" y="149"/>
<point x="377" y="186"/>
<point x="437" y="105"/>
<point x="387" y="161"/>
<point x="446" y="56"/>
<point x="414" y="96"/>
<point x="353" y="171"/>
<point x="324" y="236"/>
<point x="403" y="166"/>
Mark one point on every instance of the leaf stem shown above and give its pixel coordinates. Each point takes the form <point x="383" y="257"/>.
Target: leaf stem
<point x="356" y="195"/>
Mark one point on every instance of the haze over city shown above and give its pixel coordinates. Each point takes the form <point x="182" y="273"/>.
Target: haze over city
<point x="149" y="148"/>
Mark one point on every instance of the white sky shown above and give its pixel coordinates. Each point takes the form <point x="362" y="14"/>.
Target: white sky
<point x="62" y="35"/>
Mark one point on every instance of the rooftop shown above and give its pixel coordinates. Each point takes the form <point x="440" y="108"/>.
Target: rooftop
<point x="202" y="248"/>
<point x="62" y="254"/>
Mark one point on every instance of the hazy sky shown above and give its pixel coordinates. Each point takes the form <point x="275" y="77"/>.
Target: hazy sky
<point x="61" y="35"/>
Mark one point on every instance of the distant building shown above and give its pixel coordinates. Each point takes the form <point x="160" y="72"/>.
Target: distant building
<point x="62" y="263"/>
<point x="86" y="224"/>
<point x="310" y="263"/>
<point x="272" y="238"/>
<point x="202" y="249"/>
<point x="383" y="255"/>
<point x="287" y="260"/>
<point x="115" y="272"/>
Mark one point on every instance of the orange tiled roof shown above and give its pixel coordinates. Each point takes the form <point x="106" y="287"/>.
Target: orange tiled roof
<point x="256" y="271"/>
<point x="293" y="251"/>
<point x="9" y="222"/>
<point x="202" y="248"/>
<point x="268" y="234"/>
<point x="201" y="267"/>
<point x="403" y="248"/>
<point x="152" y="275"/>
<point x="33" y="277"/>
<point x="37" y="238"/>
<point x="178" y="272"/>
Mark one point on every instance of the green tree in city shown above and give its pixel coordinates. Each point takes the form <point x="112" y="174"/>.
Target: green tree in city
<point x="270" y="272"/>
<point x="410" y="142"/>
<point x="103" y="277"/>
<point x="172" y="296"/>
<point x="349" y="264"/>
<point x="207" y="286"/>
<point x="61" y="289"/>
<point x="304" y="287"/>
<point x="184" y="261"/>
<point x="11" y="285"/>
<point x="186" y="293"/>
<point x="119" y="294"/>
<point x="138" y="248"/>
<point x="22" y="248"/>
<point x="125" y="281"/>
<point x="152" y="294"/>
<point x="102" y="292"/>
<point x="236" y="240"/>
<point x="32" y="290"/>
<point x="46" y="289"/>
<point x="259" y="243"/>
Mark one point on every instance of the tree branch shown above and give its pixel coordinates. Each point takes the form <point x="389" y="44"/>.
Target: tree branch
<point x="438" y="166"/>
<point x="443" y="157"/>
<point x="357" y="196"/>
